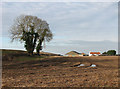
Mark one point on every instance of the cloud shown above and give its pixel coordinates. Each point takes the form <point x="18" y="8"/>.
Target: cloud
<point x="61" y="1"/>
<point x="81" y="46"/>
<point x="0" y="18"/>
<point x="70" y="23"/>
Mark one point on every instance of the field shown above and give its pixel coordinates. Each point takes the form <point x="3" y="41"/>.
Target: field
<point x="60" y="71"/>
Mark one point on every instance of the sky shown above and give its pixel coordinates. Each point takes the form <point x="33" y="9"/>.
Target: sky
<point x="78" y="26"/>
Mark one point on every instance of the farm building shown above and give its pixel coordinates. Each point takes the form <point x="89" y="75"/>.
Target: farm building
<point x="74" y="54"/>
<point x="94" y="53"/>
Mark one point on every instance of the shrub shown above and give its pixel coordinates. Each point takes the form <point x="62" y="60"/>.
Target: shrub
<point x="111" y="52"/>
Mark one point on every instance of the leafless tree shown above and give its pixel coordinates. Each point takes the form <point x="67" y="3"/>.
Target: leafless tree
<point x="32" y="31"/>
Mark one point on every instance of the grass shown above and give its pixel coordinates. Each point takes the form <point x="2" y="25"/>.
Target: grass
<point x="18" y="55"/>
<point x="4" y="51"/>
<point x="28" y="58"/>
<point x="25" y="58"/>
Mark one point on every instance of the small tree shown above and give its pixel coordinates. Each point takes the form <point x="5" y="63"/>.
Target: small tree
<point x="104" y="53"/>
<point x="111" y="52"/>
<point x="30" y="29"/>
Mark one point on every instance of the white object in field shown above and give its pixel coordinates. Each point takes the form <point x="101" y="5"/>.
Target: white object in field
<point x="81" y="65"/>
<point x="93" y="65"/>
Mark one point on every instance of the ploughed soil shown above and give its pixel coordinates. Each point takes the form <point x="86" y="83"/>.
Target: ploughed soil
<point x="61" y="72"/>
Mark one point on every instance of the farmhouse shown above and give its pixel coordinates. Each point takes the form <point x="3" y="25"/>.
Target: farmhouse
<point x="94" y="53"/>
<point x="74" y="54"/>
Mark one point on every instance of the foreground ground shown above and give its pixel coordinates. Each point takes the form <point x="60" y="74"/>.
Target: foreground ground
<point x="61" y="72"/>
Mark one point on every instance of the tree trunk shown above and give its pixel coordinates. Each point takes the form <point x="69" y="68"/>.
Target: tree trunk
<point x="38" y="53"/>
<point x="39" y="47"/>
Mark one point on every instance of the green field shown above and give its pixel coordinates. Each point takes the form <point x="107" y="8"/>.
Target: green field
<point x="18" y="55"/>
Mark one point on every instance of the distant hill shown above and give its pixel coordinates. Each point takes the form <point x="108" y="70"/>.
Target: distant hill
<point x="8" y="54"/>
<point x="10" y="51"/>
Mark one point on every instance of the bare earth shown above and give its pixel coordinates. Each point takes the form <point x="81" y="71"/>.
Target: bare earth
<point x="61" y="72"/>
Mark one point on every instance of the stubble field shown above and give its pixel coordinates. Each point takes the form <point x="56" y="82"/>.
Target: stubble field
<point x="61" y="72"/>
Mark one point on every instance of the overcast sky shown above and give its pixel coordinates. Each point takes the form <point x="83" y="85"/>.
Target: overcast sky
<point x="80" y="26"/>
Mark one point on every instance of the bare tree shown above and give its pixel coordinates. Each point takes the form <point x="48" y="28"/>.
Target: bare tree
<point x="31" y="30"/>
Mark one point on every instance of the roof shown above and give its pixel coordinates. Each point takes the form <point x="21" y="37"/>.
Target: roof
<point x="74" y="53"/>
<point x="94" y="52"/>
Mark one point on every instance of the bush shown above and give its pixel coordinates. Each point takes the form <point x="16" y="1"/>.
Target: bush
<point x="111" y="52"/>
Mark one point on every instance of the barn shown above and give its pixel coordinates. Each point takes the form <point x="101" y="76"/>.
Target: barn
<point x="94" y="53"/>
<point x="74" y="54"/>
